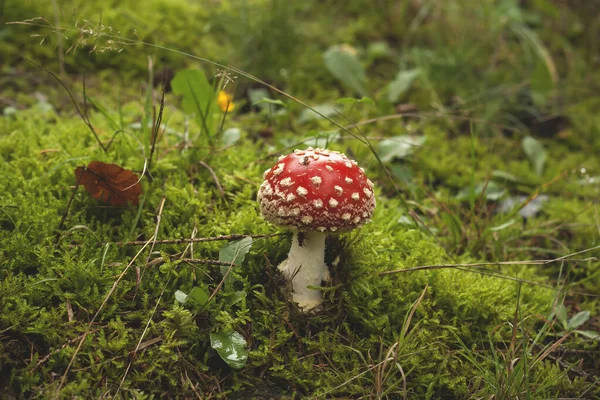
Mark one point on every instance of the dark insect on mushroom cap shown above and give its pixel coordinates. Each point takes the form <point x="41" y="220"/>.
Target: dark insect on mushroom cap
<point x="316" y="190"/>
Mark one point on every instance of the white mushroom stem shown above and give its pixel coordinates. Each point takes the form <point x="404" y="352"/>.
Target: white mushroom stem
<point x="305" y="266"/>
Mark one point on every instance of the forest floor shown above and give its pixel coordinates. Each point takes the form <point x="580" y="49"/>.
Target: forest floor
<point x="134" y="262"/>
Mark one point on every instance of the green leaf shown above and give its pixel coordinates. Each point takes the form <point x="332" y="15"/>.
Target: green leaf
<point x="379" y="50"/>
<point x="231" y="136"/>
<point x="535" y="152"/>
<point x="231" y="347"/>
<point x="236" y="297"/>
<point x="198" y="295"/>
<point x="234" y="252"/>
<point x="504" y="225"/>
<point x="541" y="83"/>
<point x="561" y="316"/>
<point x="590" y="334"/>
<point x="504" y="175"/>
<point x="180" y="296"/>
<point x="352" y="101"/>
<point x="344" y="65"/>
<point x="578" y="319"/>
<point x="493" y="192"/>
<point x="196" y="92"/>
<point x="256" y="95"/>
<point x="267" y="100"/>
<point x="399" y="146"/>
<point x="401" y="84"/>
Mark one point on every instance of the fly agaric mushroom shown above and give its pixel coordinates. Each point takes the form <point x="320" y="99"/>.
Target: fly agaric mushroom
<point x="314" y="191"/>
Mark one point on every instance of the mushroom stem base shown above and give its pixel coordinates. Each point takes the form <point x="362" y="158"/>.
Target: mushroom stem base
<point x="305" y="266"/>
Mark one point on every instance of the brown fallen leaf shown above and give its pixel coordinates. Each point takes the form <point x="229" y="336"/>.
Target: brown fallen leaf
<point x="109" y="183"/>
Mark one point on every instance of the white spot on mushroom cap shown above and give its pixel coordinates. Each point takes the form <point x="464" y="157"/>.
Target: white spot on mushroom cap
<point x="290" y="197"/>
<point x="329" y="168"/>
<point x="355" y="196"/>
<point x="338" y="190"/>
<point x="371" y="185"/>
<point x="318" y="203"/>
<point x="307" y="219"/>
<point x="286" y="182"/>
<point x="321" y="229"/>
<point x="346" y="216"/>
<point x="356" y="220"/>
<point x="281" y="158"/>
<point x="296" y="211"/>
<point x="333" y="203"/>
<point x="348" y="164"/>
<point x="278" y="169"/>
<point x="302" y="191"/>
<point x="333" y="228"/>
<point x="367" y="193"/>
<point x="316" y="180"/>
<point x="267" y="189"/>
<point x="266" y="172"/>
<point x="348" y="180"/>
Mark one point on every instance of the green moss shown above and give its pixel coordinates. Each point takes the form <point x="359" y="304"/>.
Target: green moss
<point x="440" y="332"/>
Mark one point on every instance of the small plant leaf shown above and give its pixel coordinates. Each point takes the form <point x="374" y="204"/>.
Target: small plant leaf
<point x="590" y="334"/>
<point x="493" y="192"/>
<point x="234" y="252"/>
<point x="256" y="95"/>
<point x="236" y="297"/>
<point x="504" y="225"/>
<point x="231" y="136"/>
<point x="401" y="84"/>
<point x="198" y="296"/>
<point x="231" y="347"/>
<point x="196" y="93"/>
<point x="505" y="176"/>
<point x="266" y="100"/>
<point x="535" y="152"/>
<point x="345" y="66"/>
<point x="578" y="319"/>
<point x="541" y="83"/>
<point x="181" y="296"/>
<point x="109" y="183"/>
<point x="352" y="101"/>
<point x="399" y="147"/>
<point x="561" y="316"/>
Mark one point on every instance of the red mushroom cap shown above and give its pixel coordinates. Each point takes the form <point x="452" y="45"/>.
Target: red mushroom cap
<point x="316" y="190"/>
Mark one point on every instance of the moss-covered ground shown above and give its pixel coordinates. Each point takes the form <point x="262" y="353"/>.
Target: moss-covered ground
<point x="477" y="278"/>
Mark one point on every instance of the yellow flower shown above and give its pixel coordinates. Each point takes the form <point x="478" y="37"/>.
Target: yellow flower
<point x="225" y="101"/>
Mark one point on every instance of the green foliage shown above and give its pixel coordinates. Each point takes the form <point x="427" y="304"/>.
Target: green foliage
<point x="342" y="62"/>
<point x="397" y="321"/>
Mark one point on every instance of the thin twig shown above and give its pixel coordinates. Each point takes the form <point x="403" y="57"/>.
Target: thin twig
<point x="190" y="260"/>
<point x="484" y="264"/>
<point x="214" y="176"/>
<point x="158" y="220"/>
<point x="194" y="240"/>
<point x="156" y="128"/>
